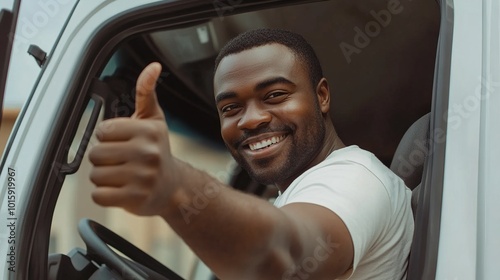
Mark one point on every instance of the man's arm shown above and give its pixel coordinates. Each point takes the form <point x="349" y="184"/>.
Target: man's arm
<point x="237" y="235"/>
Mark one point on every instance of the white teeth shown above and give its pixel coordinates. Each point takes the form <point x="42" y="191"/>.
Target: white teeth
<point x="264" y="143"/>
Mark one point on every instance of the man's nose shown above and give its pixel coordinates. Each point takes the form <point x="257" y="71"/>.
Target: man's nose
<point x="254" y="117"/>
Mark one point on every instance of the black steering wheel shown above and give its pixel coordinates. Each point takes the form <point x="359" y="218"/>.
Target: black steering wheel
<point x="143" y="266"/>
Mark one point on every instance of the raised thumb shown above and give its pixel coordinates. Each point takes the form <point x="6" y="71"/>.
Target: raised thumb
<point x="146" y="103"/>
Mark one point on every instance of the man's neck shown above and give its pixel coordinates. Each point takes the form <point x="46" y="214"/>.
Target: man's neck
<point x="331" y="143"/>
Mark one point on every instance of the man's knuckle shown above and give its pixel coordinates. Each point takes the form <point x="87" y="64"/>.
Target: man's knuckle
<point x="148" y="130"/>
<point x="150" y="155"/>
<point x="147" y="176"/>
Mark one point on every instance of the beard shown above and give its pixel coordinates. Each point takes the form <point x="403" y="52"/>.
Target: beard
<point x="302" y="148"/>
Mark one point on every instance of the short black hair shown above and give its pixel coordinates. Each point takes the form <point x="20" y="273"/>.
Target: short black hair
<point x="260" y="37"/>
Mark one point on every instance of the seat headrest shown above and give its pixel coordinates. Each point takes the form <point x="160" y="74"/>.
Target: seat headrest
<point x="408" y="160"/>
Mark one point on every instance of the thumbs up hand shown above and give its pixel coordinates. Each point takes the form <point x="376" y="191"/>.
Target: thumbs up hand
<point x="132" y="164"/>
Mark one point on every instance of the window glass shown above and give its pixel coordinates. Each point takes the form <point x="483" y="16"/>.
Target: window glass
<point x="39" y="23"/>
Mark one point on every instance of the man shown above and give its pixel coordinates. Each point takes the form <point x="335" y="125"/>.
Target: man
<point x="340" y="214"/>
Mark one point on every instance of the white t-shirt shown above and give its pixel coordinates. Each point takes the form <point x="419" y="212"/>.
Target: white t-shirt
<point x="372" y="201"/>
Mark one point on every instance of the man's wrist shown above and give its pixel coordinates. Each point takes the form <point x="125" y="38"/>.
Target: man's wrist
<point x="191" y="191"/>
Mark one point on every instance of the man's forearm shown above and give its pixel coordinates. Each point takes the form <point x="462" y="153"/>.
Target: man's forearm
<point x="236" y="234"/>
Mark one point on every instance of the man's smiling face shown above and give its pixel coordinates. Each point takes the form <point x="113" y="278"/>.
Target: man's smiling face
<point x="269" y="114"/>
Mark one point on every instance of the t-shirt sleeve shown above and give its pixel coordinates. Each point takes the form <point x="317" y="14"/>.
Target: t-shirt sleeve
<point x="355" y="194"/>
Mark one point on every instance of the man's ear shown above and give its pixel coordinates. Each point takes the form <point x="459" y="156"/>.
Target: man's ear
<point x="323" y="95"/>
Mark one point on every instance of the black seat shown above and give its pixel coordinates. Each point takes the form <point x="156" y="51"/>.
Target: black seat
<point x="411" y="153"/>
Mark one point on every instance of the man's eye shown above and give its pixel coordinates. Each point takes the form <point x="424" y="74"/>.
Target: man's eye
<point x="228" y="108"/>
<point x="277" y="96"/>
